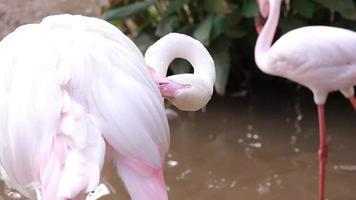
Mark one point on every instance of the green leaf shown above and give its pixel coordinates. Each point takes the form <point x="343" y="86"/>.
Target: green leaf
<point x="249" y="9"/>
<point x="165" y="26"/>
<point x="175" y="6"/>
<point x="187" y="29"/>
<point x="202" y="33"/>
<point x="180" y="66"/>
<point x="222" y="23"/>
<point x="216" y="6"/>
<point x="304" y="8"/>
<point x="219" y="50"/>
<point x="345" y="7"/>
<point x="144" y="39"/>
<point x="237" y="33"/>
<point x="127" y="11"/>
<point x="290" y="23"/>
<point x="349" y="14"/>
<point x="337" y="5"/>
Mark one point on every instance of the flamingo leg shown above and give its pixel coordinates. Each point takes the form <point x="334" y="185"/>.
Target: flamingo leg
<point x="353" y="102"/>
<point x="323" y="150"/>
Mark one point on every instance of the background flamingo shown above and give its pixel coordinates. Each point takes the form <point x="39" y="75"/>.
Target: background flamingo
<point x="70" y="86"/>
<point x="319" y="57"/>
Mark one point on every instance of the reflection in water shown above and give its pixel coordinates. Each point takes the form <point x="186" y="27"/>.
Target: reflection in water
<point x="345" y="167"/>
<point x="297" y="120"/>
<point x="298" y="111"/>
<point x="9" y="194"/>
<point x="244" y="148"/>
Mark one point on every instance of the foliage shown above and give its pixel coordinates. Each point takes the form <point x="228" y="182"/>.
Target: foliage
<point x="225" y="27"/>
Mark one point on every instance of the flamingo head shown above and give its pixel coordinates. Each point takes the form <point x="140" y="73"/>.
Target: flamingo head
<point x="262" y="16"/>
<point x="188" y="92"/>
<point x="194" y="93"/>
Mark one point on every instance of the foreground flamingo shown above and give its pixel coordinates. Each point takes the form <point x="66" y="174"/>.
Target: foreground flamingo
<point x="319" y="57"/>
<point x="199" y="85"/>
<point x="72" y="86"/>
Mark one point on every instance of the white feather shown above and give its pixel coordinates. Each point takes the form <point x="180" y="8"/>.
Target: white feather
<point x="63" y="83"/>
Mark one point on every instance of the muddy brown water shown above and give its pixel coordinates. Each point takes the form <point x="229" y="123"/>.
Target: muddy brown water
<point x="261" y="146"/>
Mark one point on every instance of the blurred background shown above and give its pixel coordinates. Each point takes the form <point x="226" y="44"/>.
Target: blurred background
<point x="258" y="137"/>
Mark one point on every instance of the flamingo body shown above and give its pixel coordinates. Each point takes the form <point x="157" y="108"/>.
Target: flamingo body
<point x="72" y="87"/>
<point x="67" y="86"/>
<point x="318" y="57"/>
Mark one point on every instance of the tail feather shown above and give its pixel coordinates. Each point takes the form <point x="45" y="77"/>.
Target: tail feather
<point x="142" y="181"/>
<point x="85" y="158"/>
<point x="78" y="176"/>
<point x="75" y="159"/>
<point x="54" y="172"/>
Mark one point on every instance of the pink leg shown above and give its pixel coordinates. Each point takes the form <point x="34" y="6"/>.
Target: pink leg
<point x="353" y="102"/>
<point x="323" y="150"/>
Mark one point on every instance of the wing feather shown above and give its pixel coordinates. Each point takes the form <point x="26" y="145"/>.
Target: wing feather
<point x="104" y="73"/>
<point x="30" y="106"/>
<point x="112" y="81"/>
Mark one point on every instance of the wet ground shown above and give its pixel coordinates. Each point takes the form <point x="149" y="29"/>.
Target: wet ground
<point x="260" y="146"/>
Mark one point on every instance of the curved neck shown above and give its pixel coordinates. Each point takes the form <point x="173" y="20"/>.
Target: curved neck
<point x="174" y="45"/>
<point x="264" y="40"/>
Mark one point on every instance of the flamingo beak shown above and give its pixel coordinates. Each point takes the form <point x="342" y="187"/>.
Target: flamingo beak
<point x="262" y="15"/>
<point x="259" y="22"/>
<point x="169" y="89"/>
